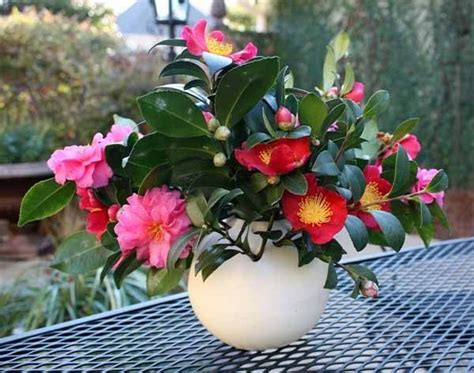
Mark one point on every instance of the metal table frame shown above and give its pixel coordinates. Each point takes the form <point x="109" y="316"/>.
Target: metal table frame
<point x="424" y="318"/>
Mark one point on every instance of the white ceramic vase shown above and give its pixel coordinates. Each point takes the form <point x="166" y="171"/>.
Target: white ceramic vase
<point x="260" y="305"/>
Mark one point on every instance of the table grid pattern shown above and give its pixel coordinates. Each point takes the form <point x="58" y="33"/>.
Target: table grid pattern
<point x="422" y="321"/>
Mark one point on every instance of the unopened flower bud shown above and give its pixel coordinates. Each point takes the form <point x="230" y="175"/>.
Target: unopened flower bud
<point x="285" y="119"/>
<point x="219" y="160"/>
<point x="213" y="124"/>
<point x="222" y="133"/>
<point x="273" y="180"/>
<point x="315" y="142"/>
<point x="112" y="212"/>
<point x="332" y="92"/>
<point x="369" y="289"/>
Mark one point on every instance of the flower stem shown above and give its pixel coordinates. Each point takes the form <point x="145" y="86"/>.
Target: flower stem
<point x="393" y="199"/>
<point x="259" y="255"/>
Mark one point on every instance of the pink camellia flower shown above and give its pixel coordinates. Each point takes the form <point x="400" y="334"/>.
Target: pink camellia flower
<point x="86" y="164"/>
<point x="197" y="42"/>
<point x="369" y="289"/>
<point x="357" y="93"/>
<point x="208" y="116"/>
<point x="424" y="177"/>
<point x="98" y="215"/>
<point x="150" y="224"/>
<point x="409" y="143"/>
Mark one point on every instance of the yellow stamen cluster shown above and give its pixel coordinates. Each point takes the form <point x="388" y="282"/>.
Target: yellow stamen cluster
<point x="265" y="155"/>
<point x="155" y="231"/>
<point x="315" y="210"/>
<point x="217" y="47"/>
<point x="371" y="195"/>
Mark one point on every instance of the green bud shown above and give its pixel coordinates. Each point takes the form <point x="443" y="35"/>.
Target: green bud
<point x="213" y="124"/>
<point x="222" y="133"/>
<point x="219" y="160"/>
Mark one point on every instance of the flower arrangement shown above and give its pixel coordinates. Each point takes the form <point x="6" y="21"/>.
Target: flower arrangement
<point x="239" y="141"/>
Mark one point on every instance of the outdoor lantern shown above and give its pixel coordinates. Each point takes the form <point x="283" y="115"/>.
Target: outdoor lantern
<point x="171" y="13"/>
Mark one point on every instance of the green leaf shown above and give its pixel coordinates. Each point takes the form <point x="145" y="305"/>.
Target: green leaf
<point x="45" y="199"/>
<point x="196" y="208"/>
<point x="404" y="213"/>
<point x="108" y="240"/>
<point x="313" y="111"/>
<point x="354" y="179"/>
<point x="256" y="138"/>
<point x="157" y="176"/>
<point x="114" y="154"/>
<point x="126" y="266"/>
<point x="280" y="86"/>
<point x="295" y="183"/>
<point x="329" y="69"/>
<point x="172" y="114"/>
<point x="109" y="263"/>
<point x="340" y="45"/>
<point x="274" y="193"/>
<point x="348" y="79"/>
<point x="186" y="67"/>
<point x="268" y="125"/>
<point x="439" y="183"/>
<point x="325" y="165"/>
<point x="228" y="198"/>
<point x="217" y="261"/>
<point x="162" y="280"/>
<point x="258" y="181"/>
<point x="404" y="128"/>
<point x="377" y="104"/>
<point x="171" y="43"/>
<point x="357" y="231"/>
<point x="179" y="245"/>
<point x="79" y="254"/>
<point x="391" y="228"/>
<point x="439" y="214"/>
<point x="331" y="279"/>
<point x="333" y="116"/>
<point x="362" y="272"/>
<point x="423" y="216"/>
<point x="356" y="289"/>
<point x="402" y="173"/>
<point x="301" y="131"/>
<point x="197" y="83"/>
<point x="241" y="88"/>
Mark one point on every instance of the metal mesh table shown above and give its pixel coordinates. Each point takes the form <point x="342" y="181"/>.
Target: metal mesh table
<point x="424" y="318"/>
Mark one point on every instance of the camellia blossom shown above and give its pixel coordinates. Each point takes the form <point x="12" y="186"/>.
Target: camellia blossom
<point x="376" y="188"/>
<point x="320" y="212"/>
<point x="424" y="177"/>
<point x="98" y="215"/>
<point x="277" y="157"/>
<point x="409" y="143"/>
<point x="150" y="224"/>
<point x="86" y="164"/>
<point x="356" y="94"/>
<point x="197" y="42"/>
<point x="369" y="289"/>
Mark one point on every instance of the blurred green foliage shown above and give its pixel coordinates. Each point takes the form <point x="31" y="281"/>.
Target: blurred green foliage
<point x="69" y="76"/>
<point x="422" y="51"/>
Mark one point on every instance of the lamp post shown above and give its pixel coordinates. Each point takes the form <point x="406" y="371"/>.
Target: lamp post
<point x="171" y="13"/>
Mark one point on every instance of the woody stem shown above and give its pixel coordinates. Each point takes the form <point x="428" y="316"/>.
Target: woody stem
<point x="393" y="199"/>
<point x="264" y="240"/>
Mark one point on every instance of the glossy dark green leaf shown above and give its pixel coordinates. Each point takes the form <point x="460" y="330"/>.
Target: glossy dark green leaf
<point x="404" y="213"/>
<point x="197" y="83"/>
<point x="172" y="114"/>
<point x="331" y="278"/>
<point x="423" y="215"/>
<point x="404" y="180"/>
<point x="357" y="232"/>
<point x="439" y="183"/>
<point x="438" y="213"/>
<point x="126" y="266"/>
<point x="179" y="245"/>
<point x="404" y="128"/>
<point x="301" y="131"/>
<point x="114" y="155"/>
<point x="196" y="208"/>
<point x="292" y="104"/>
<point x="280" y="86"/>
<point x="258" y="181"/>
<point x="391" y="228"/>
<point x="426" y="233"/>
<point x="353" y="178"/>
<point x="218" y="260"/>
<point x="186" y="67"/>
<point x="295" y="183"/>
<point x="274" y="193"/>
<point x="325" y="165"/>
<point x="157" y="176"/>
<point x="334" y="114"/>
<point x="171" y="43"/>
<point x="79" y="254"/>
<point x="256" y="138"/>
<point x="241" y="88"/>
<point x="109" y="241"/>
<point x="229" y="197"/>
<point x="313" y="111"/>
<point x="109" y="263"/>
<point x="402" y="172"/>
<point x="45" y="199"/>
<point x="363" y="272"/>
<point x="162" y="280"/>
<point x="377" y="104"/>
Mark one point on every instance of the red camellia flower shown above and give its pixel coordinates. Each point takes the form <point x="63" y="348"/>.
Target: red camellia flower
<point x="275" y="158"/>
<point x="357" y="93"/>
<point x="376" y="189"/>
<point x="320" y="212"/>
<point x="98" y="215"/>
